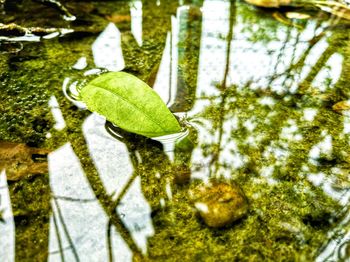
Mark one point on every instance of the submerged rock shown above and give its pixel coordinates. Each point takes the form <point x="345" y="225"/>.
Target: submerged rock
<point x="341" y="107"/>
<point x="220" y="203"/>
<point x="182" y="175"/>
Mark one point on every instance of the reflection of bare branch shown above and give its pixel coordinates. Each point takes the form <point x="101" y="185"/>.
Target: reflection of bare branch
<point x="109" y="241"/>
<point x="229" y="42"/>
<point x="300" y="63"/>
<point x="319" y="65"/>
<point x="133" y="158"/>
<point x="80" y="147"/>
<point x="125" y="189"/>
<point x="61" y="251"/>
<point x="281" y="54"/>
<point x="65" y="229"/>
<point x="74" y="199"/>
<point x="216" y="155"/>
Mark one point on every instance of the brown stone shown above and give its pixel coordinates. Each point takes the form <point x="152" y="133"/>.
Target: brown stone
<point x="220" y="204"/>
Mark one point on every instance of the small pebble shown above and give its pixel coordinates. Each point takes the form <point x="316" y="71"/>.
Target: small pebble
<point x="341" y="107"/>
<point x="220" y="204"/>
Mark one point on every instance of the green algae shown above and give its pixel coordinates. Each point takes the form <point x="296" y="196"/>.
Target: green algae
<point x="288" y="221"/>
<point x="31" y="210"/>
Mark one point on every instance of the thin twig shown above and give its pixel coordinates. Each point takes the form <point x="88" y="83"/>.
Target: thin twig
<point x="109" y="240"/>
<point x="66" y="231"/>
<point x="61" y="251"/>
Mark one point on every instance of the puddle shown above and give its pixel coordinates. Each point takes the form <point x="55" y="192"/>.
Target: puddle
<point x="256" y="94"/>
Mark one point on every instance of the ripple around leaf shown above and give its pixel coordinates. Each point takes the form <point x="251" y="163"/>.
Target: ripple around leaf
<point x="71" y="92"/>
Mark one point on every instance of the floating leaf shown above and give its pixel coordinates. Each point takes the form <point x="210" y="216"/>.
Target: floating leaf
<point x="129" y="103"/>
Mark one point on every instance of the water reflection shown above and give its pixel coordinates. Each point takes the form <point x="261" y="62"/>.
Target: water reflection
<point x="78" y="223"/>
<point x="108" y="42"/>
<point x="136" y="20"/>
<point x="257" y="95"/>
<point x="57" y="114"/>
<point x="7" y="237"/>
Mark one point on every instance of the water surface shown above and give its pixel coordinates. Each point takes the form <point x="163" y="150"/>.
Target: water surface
<point x="257" y="94"/>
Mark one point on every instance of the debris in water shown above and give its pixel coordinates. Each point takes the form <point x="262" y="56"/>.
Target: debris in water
<point x="341" y="107"/>
<point x="20" y="160"/>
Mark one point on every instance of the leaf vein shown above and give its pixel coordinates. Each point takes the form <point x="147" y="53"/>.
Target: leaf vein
<point x="134" y="105"/>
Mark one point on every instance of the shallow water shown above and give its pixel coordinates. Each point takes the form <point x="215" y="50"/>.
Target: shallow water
<point x="256" y="92"/>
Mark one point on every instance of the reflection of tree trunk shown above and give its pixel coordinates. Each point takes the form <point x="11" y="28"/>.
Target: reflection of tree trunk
<point x="152" y="187"/>
<point x="294" y="69"/>
<point x="31" y="208"/>
<point x="190" y="30"/>
<point x="216" y="156"/>
<point x="80" y="148"/>
<point x="154" y="171"/>
<point x="342" y="86"/>
<point x="305" y="85"/>
<point x="154" y="43"/>
<point x="156" y="21"/>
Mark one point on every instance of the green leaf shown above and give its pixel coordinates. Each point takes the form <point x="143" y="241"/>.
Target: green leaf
<point x="129" y="103"/>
